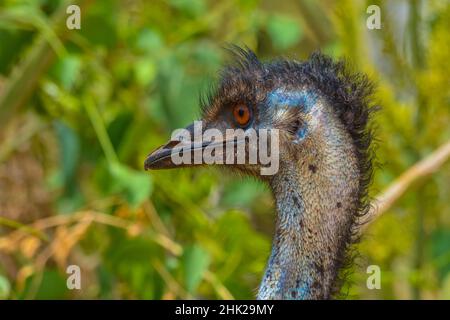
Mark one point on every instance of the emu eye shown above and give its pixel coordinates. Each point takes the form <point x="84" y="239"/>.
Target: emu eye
<point x="241" y="114"/>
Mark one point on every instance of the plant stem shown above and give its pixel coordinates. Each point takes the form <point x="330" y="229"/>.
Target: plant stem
<point x="100" y="130"/>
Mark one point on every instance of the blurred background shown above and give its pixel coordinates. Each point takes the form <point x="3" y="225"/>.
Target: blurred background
<point x="80" y="110"/>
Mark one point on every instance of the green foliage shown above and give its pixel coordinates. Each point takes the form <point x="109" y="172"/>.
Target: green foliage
<point x="80" y="110"/>
<point x="284" y="31"/>
<point x="195" y="261"/>
<point x="5" y="287"/>
<point x="136" y="186"/>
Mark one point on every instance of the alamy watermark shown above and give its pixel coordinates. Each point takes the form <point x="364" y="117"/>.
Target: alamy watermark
<point x="74" y="20"/>
<point x="236" y="146"/>
<point x="374" y="20"/>
<point x="74" y="278"/>
<point x="374" y="280"/>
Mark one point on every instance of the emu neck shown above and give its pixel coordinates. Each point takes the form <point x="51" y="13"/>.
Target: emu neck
<point x="316" y="199"/>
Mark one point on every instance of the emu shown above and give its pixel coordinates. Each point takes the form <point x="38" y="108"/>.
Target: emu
<point x="322" y="111"/>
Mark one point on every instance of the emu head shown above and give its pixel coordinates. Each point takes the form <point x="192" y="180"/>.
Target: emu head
<point x="298" y="100"/>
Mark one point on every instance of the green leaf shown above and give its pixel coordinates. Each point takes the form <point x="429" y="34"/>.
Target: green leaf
<point x="16" y="41"/>
<point x="66" y="70"/>
<point x="69" y="155"/>
<point x="284" y="31"/>
<point x="149" y="41"/>
<point x="5" y="288"/>
<point x="53" y="286"/>
<point x="136" y="185"/>
<point x="118" y="126"/>
<point x="101" y="29"/>
<point x="440" y="251"/>
<point x="145" y="71"/>
<point x="69" y="146"/>
<point x="192" y="8"/>
<point x="196" y="262"/>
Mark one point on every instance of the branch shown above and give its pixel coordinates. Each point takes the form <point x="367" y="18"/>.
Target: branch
<point x="421" y="169"/>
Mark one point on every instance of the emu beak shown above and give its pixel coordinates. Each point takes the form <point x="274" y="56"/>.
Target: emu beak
<point x="161" y="158"/>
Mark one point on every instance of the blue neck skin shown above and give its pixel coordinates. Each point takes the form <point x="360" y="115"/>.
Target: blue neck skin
<point x="291" y="271"/>
<point x="303" y="99"/>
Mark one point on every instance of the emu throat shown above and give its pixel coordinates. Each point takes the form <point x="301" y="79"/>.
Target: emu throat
<point x="316" y="200"/>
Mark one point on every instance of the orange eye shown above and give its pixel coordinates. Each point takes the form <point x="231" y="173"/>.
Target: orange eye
<point x="241" y="114"/>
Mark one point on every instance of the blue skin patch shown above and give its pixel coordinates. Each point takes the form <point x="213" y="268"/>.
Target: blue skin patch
<point x="304" y="99"/>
